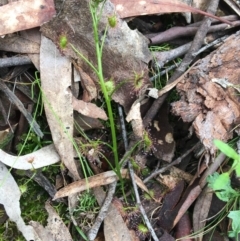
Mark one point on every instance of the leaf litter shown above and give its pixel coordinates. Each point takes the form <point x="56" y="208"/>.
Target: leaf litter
<point x="71" y="94"/>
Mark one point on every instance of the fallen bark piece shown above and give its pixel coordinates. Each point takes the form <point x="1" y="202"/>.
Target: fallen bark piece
<point x="25" y="14"/>
<point x="213" y="109"/>
<point x="46" y="156"/>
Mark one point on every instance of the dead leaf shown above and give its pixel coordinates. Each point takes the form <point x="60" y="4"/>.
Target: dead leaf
<point x="10" y="196"/>
<point x="161" y="133"/>
<point x="17" y="44"/>
<point x="101" y="179"/>
<point x="46" y="156"/>
<point x="35" y="36"/>
<point x="113" y="220"/>
<point x="85" y="122"/>
<point x="56" y="80"/>
<point x="25" y="14"/>
<point x="136" y="8"/>
<point x="183" y="228"/>
<point x="167" y="212"/>
<point x="88" y="109"/>
<point x="55" y="229"/>
<point x="200" y="4"/>
<point x="88" y="85"/>
<point x="134" y="115"/>
<point x="201" y="210"/>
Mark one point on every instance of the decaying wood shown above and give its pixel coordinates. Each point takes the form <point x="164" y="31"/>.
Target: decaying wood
<point x="213" y="109"/>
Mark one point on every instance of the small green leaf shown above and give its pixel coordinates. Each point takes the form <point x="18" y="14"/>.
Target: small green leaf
<point x="218" y="182"/>
<point x="221" y="184"/>
<point x="226" y="149"/>
<point x="234" y="215"/>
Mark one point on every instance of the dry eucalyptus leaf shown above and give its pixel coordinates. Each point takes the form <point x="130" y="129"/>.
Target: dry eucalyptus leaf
<point x="88" y="85"/>
<point x="136" y="8"/>
<point x="35" y="36"/>
<point x="125" y="52"/>
<point x="55" y="230"/>
<point x="25" y="14"/>
<point x="88" y="109"/>
<point x="56" y="79"/>
<point x="134" y="115"/>
<point x="101" y="179"/>
<point x="46" y="156"/>
<point x="113" y="220"/>
<point x="161" y="133"/>
<point x="10" y="196"/>
<point x="201" y="210"/>
<point x="18" y="44"/>
<point x="200" y="4"/>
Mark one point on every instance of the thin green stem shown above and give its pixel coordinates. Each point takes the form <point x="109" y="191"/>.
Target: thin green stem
<point x="84" y="58"/>
<point x="107" y="98"/>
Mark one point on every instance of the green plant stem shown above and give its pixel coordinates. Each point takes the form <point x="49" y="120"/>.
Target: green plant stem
<point x="104" y="90"/>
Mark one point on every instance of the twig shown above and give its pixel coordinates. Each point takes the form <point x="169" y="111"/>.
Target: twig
<point x="13" y="98"/>
<point x="196" y="44"/>
<point x="124" y="134"/>
<point x="175" y="162"/>
<point x="164" y="57"/>
<point x="177" y="32"/>
<point x="144" y="215"/>
<point x="217" y="41"/>
<point x="92" y="233"/>
<point x="195" y="192"/>
<point x="123" y="127"/>
<point x="14" y="61"/>
<point x="171" y="85"/>
<point x="4" y="113"/>
<point x="164" y="72"/>
<point x="214" y="166"/>
<point x="233" y="6"/>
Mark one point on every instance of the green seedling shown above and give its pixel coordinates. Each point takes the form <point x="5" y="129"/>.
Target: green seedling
<point x="221" y="184"/>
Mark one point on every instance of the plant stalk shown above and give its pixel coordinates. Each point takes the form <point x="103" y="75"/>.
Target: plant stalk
<point x="104" y="90"/>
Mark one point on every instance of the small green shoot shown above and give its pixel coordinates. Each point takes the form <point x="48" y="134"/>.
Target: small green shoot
<point x="221" y="184"/>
